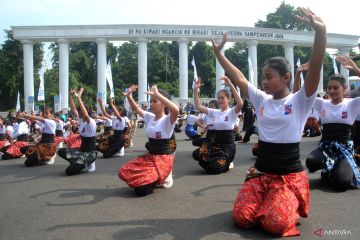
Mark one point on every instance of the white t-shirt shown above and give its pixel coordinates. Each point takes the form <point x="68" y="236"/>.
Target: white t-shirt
<point x="2" y="129"/>
<point x="127" y="121"/>
<point x="49" y="126"/>
<point x="344" y="112"/>
<point x="87" y="129"/>
<point x="223" y="120"/>
<point x="281" y="120"/>
<point x="315" y="114"/>
<point x="9" y="129"/>
<point x="159" y="129"/>
<point x="60" y="125"/>
<point x="118" y="124"/>
<point x="208" y="121"/>
<point x="22" y="128"/>
<point x="191" y="119"/>
<point x="108" y="122"/>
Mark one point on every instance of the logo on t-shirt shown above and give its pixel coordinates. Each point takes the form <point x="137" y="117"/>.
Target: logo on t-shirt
<point x="261" y="112"/>
<point x="157" y="134"/>
<point x="323" y="113"/>
<point x="288" y="109"/>
<point x="226" y="118"/>
<point x="83" y="130"/>
<point x="344" y="115"/>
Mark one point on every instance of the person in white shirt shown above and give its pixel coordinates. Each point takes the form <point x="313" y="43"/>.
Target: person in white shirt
<point x="3" y="140"/>
<point x="153" y="169"/>
<point x="191" y="126"/>
<point x="127" y="131"/>
<point x="217" y="155"/>
<point x="206" y="123"/>
<point x="276" y="190"/>
<point x="18" y="139"/>
<point x="108" y="130"/>
<point x="44" y="151"/>
<point x="85" y="156"/>
<point x="114" y="143"/>
<point x="335" y="153"/>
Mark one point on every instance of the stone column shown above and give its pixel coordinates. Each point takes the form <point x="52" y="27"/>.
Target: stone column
<point x="142" y="70"/>
<point x="252" y="47"/>
<point x="64" y="73"/>
<point x="101" y="69"/>
<point x="289" y="55"/>
<point x="343" y="70"/>
<point x="28" y="73"/>
<point x="183" y="70"/>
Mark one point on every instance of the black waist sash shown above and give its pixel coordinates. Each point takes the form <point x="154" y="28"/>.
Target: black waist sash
<point x="222" y="137"/>
<point x="59" y="133"/>
<point x="108" y="129"/>
<point x="158" y="146"/>
<point x="336" y="132"/>
<point x="279" y="158"/>
<point x="47" y="138"/>
<point x="88" y="144"/>
<point x="100" y="123"/>
<point x="118" y="133"/>
<point x="210" y="134"/>
<point x="2" y="137"/>
<point x="23" y="138"/>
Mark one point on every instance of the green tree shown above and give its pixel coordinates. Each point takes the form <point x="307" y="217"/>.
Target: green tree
<point x="12" y="71"/>
<point x="205" y="66"/>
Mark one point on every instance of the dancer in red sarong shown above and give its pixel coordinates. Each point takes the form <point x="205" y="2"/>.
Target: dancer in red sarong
<point x="153" y="169"/>
<point x="276" y="190"/>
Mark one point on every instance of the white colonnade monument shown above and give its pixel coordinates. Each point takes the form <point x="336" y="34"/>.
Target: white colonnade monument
<point x="101" y="34"/>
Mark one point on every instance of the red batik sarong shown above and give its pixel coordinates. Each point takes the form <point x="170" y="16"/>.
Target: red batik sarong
<point x="73" y="141"/>
<point x="3" y="143"/>
<point x="146" y="169"/>
<point x="14" y="149"/>
<point x="273" y="201"/>
<point x="58" y="139"/>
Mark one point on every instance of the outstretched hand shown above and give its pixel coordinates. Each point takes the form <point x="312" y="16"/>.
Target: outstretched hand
<point x="311" y="18"/>
<point x="226" y="80"/>
<point x="130" y="90"/>
<point x="80" y="92"/>
<point x="218" y="47"/>
<point x="347" y="62"/>
<point x="197" y="84"/>
<point x="303" y="68"/>
<point x="153" y="91"/>
<point x="72" y="92"/>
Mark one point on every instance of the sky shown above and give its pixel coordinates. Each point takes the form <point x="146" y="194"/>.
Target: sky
<point x="340" y="17"/>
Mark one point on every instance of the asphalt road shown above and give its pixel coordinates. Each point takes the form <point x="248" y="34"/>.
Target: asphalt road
<point x="43" y="203"/>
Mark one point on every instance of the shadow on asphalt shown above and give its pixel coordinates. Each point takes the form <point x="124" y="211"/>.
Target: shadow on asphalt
<point x="178" y="229"/>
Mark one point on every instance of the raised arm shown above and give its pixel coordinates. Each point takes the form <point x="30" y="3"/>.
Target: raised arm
<point x="84" y="112"/>
<point x="301" y="69"/>
<point x="72" y="104"/>
<point x="132" y="102"/>
<point x="235" y="74"/>
<point x="239" y="102"/>
<point x="312" y="78"/>
<point x="173" y="108"/>
<point x="116" y="112"/>
<point x="197" y="103"/>
<point x="104" y="112"/>
<point x="37" y="118"/>
<point x="348" y="63"/>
